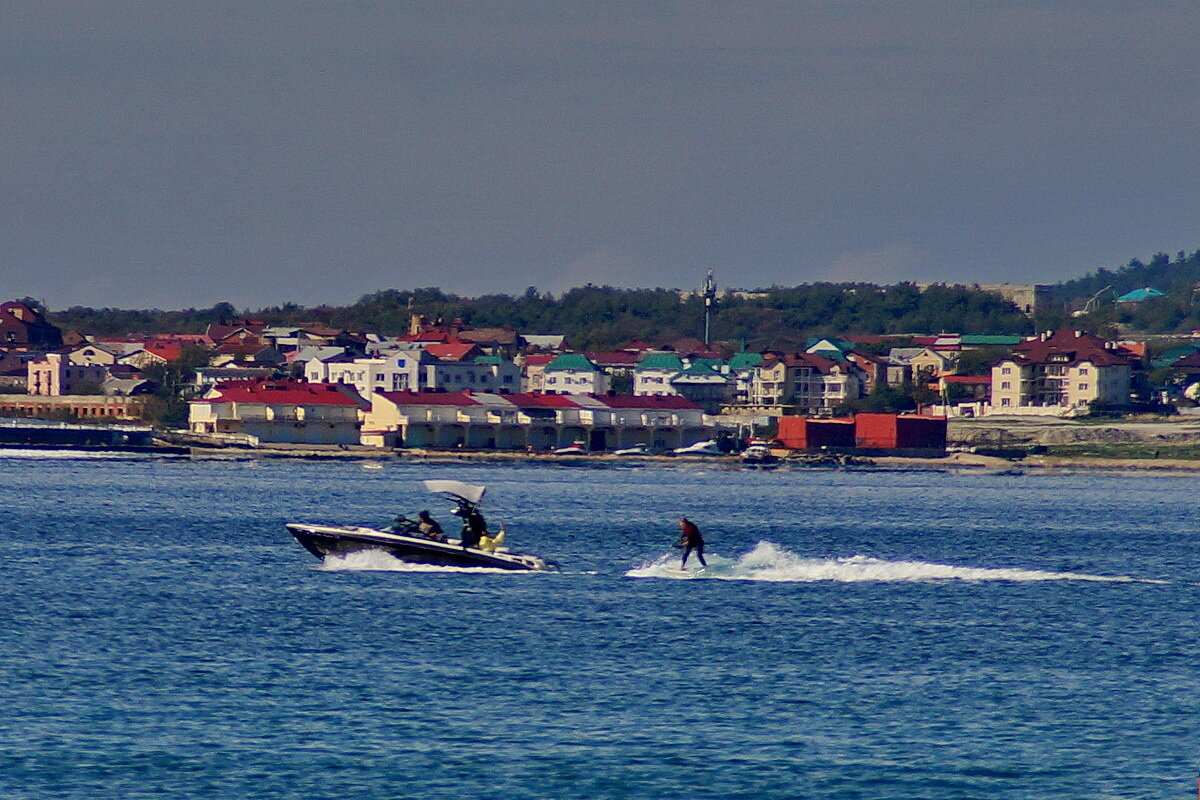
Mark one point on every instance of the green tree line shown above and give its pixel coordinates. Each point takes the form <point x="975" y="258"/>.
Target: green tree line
<point x="596" y="317"/>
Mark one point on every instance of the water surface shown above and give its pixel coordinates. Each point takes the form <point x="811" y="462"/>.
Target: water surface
<point x="858" y="634"/>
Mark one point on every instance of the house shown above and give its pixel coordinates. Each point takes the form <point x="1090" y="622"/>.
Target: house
<point x="574" y="373"/>
<point x="281" y="411"/>
<point x="533" y="370"/>
<point x="803" y="382"/>
<point x="25" y="328"/>
<point x="1060" y="373"/>
<point x="653" y="374"/>
<point x="742" y="368"/>
<point x="53" y="375"/>
<point x="930" y="364"/>
<point x="449" y="367"/>
<point x="873" y="369"/>
<point x="704" y="382"/>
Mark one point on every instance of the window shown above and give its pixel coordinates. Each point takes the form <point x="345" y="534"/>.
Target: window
<point x="1006" y="370"/>
<point x="1083" y="370"/>
<point x="1005" y="401"/>
<point x="1005" y="385"/>
<point x="1083" y="387"/>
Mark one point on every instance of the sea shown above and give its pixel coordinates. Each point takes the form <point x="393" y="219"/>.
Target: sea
<point x="858" y="633"/>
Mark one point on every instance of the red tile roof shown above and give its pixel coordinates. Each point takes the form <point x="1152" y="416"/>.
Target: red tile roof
<point x="614" y="358"/>
<point x="535" y="400"/>
<point x="171" y="351"/>
<point x="456" y="351"/>
<point x="819" y="363"/>
<point x="1075" y="345"/>
<point x="410" y="398"/>
<point x="287" y="393"/>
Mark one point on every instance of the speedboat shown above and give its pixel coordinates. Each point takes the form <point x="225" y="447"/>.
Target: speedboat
<point x="759" y="455"/>
<point x="414" y="547"/>
<point x="636" y="450"/>
<point x="705" y="448"/>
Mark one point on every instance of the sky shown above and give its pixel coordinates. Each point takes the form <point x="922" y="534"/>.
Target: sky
<point x="173" y="155"/>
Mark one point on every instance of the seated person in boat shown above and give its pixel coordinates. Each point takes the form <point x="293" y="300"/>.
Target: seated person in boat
<point x="402" y="524"/>
<point x="428" y="526"/>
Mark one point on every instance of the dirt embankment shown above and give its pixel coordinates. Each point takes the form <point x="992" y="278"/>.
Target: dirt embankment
<point x="1023" y="432"/>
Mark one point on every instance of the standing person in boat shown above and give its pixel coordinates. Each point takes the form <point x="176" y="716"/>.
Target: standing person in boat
<point x="429" y="527"/>
<point x="690" y="539"/>
<point x="474" y="526"/>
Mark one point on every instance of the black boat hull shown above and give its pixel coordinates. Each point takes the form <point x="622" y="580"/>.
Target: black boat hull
<point x="325" y="540"/>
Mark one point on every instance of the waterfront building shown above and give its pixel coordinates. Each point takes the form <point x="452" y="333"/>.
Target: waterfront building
<point x="1060" y="373"/>
<point x="530" y="421"/>
<point x="281" y="411"/>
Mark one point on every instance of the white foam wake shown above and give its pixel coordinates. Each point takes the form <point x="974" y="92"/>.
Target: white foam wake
<point x="769" y="562"/>
<point x="382" y="561"/>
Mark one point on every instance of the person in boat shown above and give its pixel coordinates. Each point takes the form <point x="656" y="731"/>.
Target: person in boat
<point x="690" y="539"/>
<point x="474" y="525"/>
<point x="402" y="524"/>
<point x="428" y="526"/>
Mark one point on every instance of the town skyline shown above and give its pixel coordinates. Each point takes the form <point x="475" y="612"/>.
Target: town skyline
<point x="269" y="154"/>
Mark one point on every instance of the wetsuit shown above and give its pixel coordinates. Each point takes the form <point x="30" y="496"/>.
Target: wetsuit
<point x="691" y="540"/>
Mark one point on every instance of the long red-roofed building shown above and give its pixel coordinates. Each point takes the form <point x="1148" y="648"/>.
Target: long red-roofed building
<point x="291" y="412"/>
<point x="531" y="421"/>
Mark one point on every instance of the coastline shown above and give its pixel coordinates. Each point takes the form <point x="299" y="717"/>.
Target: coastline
<point x="952" y="461"/>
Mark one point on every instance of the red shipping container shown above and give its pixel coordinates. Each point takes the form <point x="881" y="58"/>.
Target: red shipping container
<point x="793" y="433"/>
<point x="893" y="431"/>
<point x="802" y="433"/>
<point x="830" y="433"/>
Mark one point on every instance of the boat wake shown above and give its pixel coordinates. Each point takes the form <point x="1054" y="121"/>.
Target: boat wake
<point x="771" y="563"/>
<point x="382" y="561"/>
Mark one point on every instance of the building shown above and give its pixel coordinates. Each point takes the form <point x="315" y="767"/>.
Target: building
<point x="75" y="406"/>
<point x="450" y="367"/>
<point x="574" y="373"/>
<point x="281" y="411"/>
<point x="1028" y="298"/>
<point x="53" y="375"/>
<point x="803" y="382"/>
<point x="654" y="372"/>
<point x="530" y="421"/>
<point x="1060" y="373"/>
<point x="25" y="328"/>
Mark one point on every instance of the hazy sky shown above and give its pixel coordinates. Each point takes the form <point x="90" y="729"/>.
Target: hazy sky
<point x="177" y="154"/>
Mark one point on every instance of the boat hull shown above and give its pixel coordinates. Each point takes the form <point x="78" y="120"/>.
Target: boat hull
<point x="325" y="540"/>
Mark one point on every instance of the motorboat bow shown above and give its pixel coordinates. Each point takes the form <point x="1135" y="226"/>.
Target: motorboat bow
<point x="409" y="545"/>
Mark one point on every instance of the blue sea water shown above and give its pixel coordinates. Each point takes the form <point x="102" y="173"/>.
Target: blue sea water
<point x="858" y="634"/>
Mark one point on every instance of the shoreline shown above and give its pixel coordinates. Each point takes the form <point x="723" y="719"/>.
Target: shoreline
<point x="1040" y="463"/>
<point x="954" y="461"/>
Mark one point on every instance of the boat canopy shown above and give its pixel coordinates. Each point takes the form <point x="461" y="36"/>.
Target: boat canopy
<point x="466" y="491"/>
